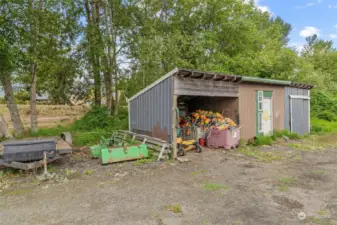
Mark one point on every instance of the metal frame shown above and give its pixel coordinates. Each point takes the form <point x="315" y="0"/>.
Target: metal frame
<point x="129" y="113"/>
<point x="299" y="97"/>
<point x="291" y="97"/>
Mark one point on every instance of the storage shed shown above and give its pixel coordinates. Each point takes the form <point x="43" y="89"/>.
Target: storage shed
<point x="258" y="105"/>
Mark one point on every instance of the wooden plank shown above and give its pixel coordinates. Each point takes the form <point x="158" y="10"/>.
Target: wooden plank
<point x="219" y="77"/>
<point x="205" y="93"/>
<point x="194" y="87"/>
<point x="143" y="136"/>
<point x="174" y="124"/>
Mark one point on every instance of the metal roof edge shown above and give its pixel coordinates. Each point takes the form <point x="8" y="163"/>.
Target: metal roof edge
<point x="172" y="72"/>
<point x="265" y="81"/>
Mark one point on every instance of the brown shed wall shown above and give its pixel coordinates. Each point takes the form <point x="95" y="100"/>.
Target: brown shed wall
<point x="247" y="107"/>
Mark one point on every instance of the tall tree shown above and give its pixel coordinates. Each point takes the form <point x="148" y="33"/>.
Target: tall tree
<point x="94" y="39"/>
<point x="9" y="53"/>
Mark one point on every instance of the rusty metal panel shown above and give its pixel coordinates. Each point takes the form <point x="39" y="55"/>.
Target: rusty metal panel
<point x="150" y="112"/>
<point x="196" y="87"/>
<point x="247" y="107"/>
<point x="300" y="110"/>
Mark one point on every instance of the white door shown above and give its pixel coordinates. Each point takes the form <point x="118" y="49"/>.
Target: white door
<point x="267" y="125"/>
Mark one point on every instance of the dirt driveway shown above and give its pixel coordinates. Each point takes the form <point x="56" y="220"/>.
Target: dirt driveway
<point x="216" y="187"/>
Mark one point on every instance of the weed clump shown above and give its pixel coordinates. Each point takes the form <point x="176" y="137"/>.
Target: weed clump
<point x="175" y="208"/>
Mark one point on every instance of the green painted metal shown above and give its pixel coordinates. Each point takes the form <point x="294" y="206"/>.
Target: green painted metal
<point x="95" y="151"/>
<point x="267" y="94"/>
<point x="266" y="81"/>
<point x="257" y="112"/>
<point x="125" y="153"/>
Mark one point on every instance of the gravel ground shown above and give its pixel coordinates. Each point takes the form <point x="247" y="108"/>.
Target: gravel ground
<point x="216" y="187"/>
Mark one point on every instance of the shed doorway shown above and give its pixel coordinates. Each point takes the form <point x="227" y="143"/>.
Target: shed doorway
<point x="207" y="109"/>
<point x="227" y="106"/>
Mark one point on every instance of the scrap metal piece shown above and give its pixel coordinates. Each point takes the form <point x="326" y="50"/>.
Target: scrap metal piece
<point x="66" y="136"/>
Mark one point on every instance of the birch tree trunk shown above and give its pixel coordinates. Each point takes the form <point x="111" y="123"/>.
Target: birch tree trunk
<point x="108" y="59"/>
<point x="33" y="112"/>
<point x="13" y="109"/>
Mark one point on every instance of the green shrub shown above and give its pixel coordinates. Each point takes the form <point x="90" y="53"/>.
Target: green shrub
<point x="323" y="126"/>
<point x="316" y="129"/>
<point x="327" y="115"/>
<point x="22" y="96"/>
<point x="89" y="138"/>
<point x="322" y="101"/>
<point x="89" y="129"/>
<point x="97" y="117"/>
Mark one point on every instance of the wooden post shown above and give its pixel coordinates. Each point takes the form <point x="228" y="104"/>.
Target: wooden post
<point x="174" y="124"/>
<point x="45" y="170"/>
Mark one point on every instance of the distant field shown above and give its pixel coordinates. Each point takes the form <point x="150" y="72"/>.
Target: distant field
<point x="48" y="115"/>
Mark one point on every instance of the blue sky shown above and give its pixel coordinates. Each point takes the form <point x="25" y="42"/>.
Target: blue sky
<point x="307" y="17"/>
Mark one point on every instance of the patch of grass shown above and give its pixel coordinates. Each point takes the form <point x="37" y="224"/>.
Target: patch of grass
<point x="260" y="155"/>
<point x="16" y="192"/>
<point x="10" y="173"/>
<point x="71" y="173"/>
<point x="283" y="188"/>
<point x="318" y="172"/>
<point x="197" y="172"/>
<point x="46" y="132"/>
<point x="143" y="161"/>
<point x="206" y="223"/>
<point x="89" y="171"/>
<point x="263" y="140"/>
<point x="323" y="213"/>
<point x="175" y="208"/>
<point x="316" y="143"/>
<point x="214" y="187"/>
<point x="284" y="133"/>
<point x="325" y="221"/>
<point x="52" y="169"/>
<point x="285" y="182"/>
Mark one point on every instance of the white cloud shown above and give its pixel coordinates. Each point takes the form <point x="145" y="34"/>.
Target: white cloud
<point x="309" y="31"/>
<point x="264" y="8"/>
<point x="257" y="3"/>
<point x="332" y="6"/>
<point x="309" y="4"/>
<point x="333" y="35"/>
<point x="297" y="46"/>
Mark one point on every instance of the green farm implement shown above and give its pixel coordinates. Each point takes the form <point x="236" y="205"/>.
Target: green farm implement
<point x="118" y="149"/>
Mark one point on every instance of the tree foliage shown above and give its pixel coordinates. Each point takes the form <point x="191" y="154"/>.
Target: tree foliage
<point x="80" y="48"/>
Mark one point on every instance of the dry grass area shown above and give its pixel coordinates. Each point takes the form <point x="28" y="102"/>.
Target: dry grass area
<point x="48" y="115"/>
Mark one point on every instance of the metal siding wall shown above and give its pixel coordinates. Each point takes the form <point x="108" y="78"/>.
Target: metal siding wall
<point x="300" y="110"/>
<point x="153" y="107"/>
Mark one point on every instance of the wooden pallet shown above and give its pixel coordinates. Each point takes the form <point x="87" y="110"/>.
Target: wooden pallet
<point x="162" y="149"/>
